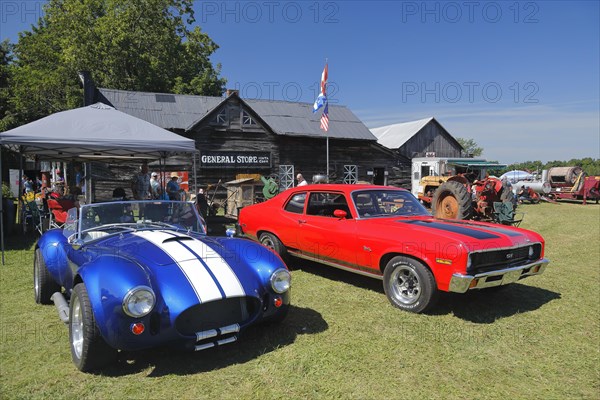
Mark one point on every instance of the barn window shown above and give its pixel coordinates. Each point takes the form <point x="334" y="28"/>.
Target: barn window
<point x="247" y="119"/>
<point x="350" y="174"/>
<point x="286" y="177"/>
<point x="221" y="118"/>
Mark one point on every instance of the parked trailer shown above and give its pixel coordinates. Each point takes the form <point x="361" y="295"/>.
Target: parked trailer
<point x="585" y="188"/>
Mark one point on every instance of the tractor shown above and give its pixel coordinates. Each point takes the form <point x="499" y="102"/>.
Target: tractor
<point x="459" y="188"/>
<point x="461" y="198"/>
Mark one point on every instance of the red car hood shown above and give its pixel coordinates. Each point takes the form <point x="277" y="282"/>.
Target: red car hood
<point x="473" y="235"/>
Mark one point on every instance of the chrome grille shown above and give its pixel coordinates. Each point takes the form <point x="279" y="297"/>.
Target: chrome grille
<point x="492" y="260"/>
<point x="216" y="314"/>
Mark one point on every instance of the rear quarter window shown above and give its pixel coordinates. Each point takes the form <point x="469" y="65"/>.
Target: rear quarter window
<point x="296" y="203"/>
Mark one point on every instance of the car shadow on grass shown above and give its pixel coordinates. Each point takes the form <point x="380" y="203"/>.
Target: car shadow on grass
<point x="16" y="240"/>
<point x="253" y="343"/>
<point x="479" y="306"/>
<point x="485" y="306"/>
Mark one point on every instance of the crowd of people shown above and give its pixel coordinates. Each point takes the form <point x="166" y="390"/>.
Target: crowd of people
<point x="147" y="186"/>
<point x="144" y="186"/>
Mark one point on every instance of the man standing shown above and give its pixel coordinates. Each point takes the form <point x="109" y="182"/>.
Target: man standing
<point x="301" y="180"/>
<point x="173" y="188"/>
<point x="79" y="179"/>
<point x="140" y="185"/>
<point x="154" y="186"/>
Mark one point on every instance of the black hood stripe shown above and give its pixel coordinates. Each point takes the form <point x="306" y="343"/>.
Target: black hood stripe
<point x="449" y="227"/>
<point x="497" y="228"/>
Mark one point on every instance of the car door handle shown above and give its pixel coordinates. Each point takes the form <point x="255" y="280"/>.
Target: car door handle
<point x="301" y="221"/>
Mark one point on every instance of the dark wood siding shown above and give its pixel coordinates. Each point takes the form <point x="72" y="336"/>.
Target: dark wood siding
<point x="431" y="138"/>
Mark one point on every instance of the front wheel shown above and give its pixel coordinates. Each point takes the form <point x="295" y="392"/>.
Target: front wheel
<point x="88" y="349"/>
<point x="409" y="285"/>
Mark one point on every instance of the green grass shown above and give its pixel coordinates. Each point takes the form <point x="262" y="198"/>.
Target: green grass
<point x="342" y="339"/>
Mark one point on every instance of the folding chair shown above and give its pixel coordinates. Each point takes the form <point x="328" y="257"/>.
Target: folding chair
<point x="58" y="212"/>
<point x="504" y="213"/>
<point x="31" y="214"/>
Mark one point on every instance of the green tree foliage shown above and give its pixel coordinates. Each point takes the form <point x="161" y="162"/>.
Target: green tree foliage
<point x="145" y="45"/>
<point x="470" y="147"/>
<point x="6" y="117"/>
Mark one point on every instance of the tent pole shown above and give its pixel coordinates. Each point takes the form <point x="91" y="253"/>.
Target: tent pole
<point x="2" y="211"/>
<point x="86" y="181"/>
<point x="195" y="174"/>
<point x="19" y="199"/>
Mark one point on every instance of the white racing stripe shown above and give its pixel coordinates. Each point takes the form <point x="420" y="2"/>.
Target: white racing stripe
<point x="195" y="271"/>
<point x="218" y="266"/>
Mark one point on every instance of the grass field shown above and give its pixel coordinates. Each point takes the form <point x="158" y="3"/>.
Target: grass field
<point x="538" y="339"/>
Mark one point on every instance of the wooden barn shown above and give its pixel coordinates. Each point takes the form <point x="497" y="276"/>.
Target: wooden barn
<point x="422" y="138"/>
<point x="241" y="138"/>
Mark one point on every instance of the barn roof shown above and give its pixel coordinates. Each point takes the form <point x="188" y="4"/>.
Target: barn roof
<point x="394" y="136"/>
<point x="184" y="112"/>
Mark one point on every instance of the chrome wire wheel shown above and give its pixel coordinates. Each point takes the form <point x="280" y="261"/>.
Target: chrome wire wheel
<point x="405" y="285"/>
<point x="77" y="327"/>
<point x="36" y="279"/>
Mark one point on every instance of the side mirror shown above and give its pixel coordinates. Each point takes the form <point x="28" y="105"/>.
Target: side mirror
<point x="77" y="244"/>
<point x="341" y="214"/>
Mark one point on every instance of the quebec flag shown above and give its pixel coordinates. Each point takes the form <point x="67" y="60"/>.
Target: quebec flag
<point x="322" y="98"/>
<point x="319" y="102"/>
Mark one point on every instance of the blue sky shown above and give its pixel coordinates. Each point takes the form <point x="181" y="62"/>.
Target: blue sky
<point x="521" y="78"/>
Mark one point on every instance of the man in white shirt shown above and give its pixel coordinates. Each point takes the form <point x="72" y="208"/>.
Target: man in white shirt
<point x="301" y="180"/>
<point x="154" y="186"/>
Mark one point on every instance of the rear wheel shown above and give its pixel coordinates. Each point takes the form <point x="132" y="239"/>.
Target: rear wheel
<point x="43" y="283"/>
<point x="88" y="349"/>
<point x="409" y="285"/>
<point x="452" y="200"/>
<point x="272" y="242"/>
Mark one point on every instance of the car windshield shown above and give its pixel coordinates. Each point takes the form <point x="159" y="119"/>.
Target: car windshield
<point x="122" y="215"/>
<point x="386" y="202"/>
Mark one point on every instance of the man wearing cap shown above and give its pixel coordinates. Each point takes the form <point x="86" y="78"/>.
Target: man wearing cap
<point x="154" y="186"/>
<point x="140" y="185"/>
<point x="173" y="188"/>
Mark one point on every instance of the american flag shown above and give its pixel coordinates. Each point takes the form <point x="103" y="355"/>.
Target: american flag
<point x="325" y="118"/>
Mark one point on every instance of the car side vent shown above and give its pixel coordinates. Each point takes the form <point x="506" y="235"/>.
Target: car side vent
<point x="177" y="239"/>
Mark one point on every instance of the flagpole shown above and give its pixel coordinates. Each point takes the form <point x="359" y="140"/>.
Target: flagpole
<point x="327" y="134"/>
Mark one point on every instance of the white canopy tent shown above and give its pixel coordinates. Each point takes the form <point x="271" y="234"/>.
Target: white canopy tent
<point x="93" y="133"/>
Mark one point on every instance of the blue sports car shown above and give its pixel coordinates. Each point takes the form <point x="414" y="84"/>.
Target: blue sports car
<point x="131" y="275"/>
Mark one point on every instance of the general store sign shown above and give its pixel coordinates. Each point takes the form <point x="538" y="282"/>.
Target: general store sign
<point x="235" y="159"/>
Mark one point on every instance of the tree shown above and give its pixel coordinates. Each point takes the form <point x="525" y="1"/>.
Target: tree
<point x="5" y="59"/>
<point x="470" y="147"/>
<point x="145" y="45"/>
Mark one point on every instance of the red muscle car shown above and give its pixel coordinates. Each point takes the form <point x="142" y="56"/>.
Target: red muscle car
<point x="384" y="232"/>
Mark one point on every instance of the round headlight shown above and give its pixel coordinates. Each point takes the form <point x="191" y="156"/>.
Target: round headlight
<point x="139" y="301"/>
<point x="281" y="280"/>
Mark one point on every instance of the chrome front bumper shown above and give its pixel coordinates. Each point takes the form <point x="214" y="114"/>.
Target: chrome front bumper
<point x="461" y="283"/>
